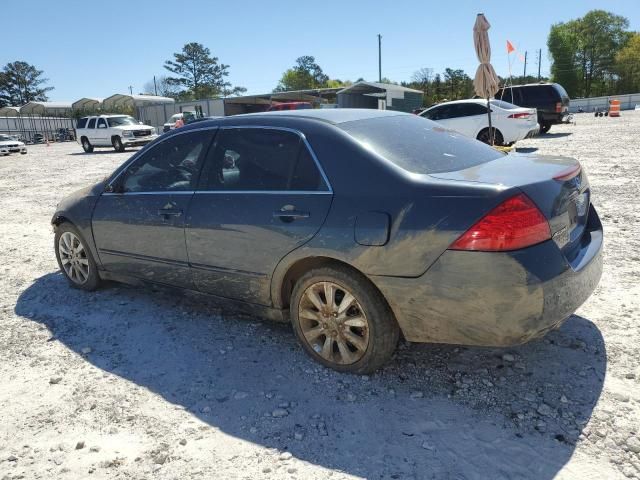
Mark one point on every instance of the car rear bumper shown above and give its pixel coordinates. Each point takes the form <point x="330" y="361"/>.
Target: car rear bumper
<point x="496" y="299"/>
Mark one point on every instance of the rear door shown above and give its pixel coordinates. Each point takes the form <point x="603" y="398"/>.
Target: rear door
<point x="138" y="226"/>
<point x="91" y="130"/>
<point x="261" y="196"/>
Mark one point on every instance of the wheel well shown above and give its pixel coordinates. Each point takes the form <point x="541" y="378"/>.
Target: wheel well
<point x="301" y="267"/>
<point x="83" y="137"/>
<point x="59" y="220"/>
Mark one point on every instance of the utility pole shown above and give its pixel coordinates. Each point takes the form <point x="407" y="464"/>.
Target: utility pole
<point x="130" y="90"/>
<point x="155" y="86"/>
<point x="525" y="67"/>
<point x="380" y="58"/>
<point x="539" y="62"/>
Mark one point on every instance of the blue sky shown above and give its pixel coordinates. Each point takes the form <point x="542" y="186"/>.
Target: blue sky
<point x="89" y="48"/>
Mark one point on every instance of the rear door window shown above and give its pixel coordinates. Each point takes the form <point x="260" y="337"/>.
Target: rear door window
<point x="262" y="159"/>
<point x="418" y="145"/>
<point x="471" y="109"/>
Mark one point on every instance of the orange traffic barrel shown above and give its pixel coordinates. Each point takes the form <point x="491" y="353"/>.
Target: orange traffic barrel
<point x="614" y="108"/>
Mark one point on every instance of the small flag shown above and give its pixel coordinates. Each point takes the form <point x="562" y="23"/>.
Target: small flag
<point x="510" y="47"/>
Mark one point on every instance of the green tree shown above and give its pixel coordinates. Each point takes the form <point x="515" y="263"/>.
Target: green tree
<point x="627" y="66"/>
<point x="198" y="74"/>
<point x="305" y="74"/>
<point x="583" y="51"/>
<point x="458" y="84"/>
<point x="21" y="83"/>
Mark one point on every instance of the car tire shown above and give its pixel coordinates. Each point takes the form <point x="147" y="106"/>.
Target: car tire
<point x="545" y="127"/>
<point x="75" y="259"/>
<point x="118" y="146"/>
<point x="86" y="145"/>
<point x="483" y="136"/>
<point x="358" y="337"/>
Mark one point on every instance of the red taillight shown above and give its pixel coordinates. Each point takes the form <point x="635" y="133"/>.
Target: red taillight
<point x="515" y="223"/>
<point x="519" y="115"/>
<point x="559" y="107"/>
<point x="568" y="173"/>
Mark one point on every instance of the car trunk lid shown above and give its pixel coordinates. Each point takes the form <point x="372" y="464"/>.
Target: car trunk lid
<point x="558" y="186"/>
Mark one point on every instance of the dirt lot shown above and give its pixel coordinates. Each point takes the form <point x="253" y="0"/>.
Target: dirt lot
<point x="129" y="383"/>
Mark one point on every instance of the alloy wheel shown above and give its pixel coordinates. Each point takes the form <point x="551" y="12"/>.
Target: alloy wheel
<point x="333" y="323"/>
<point x="73" y="258"/>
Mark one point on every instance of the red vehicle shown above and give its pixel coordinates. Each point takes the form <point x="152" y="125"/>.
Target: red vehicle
<point x="289" y="106"/>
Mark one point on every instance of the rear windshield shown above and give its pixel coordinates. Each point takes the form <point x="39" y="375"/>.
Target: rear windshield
<point x="419" y="145"/>
<point x="503" y="104"/>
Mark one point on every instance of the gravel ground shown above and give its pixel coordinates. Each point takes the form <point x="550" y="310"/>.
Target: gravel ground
<point x="132" y="383"/>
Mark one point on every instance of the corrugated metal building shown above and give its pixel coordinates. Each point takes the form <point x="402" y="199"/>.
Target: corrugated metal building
<point x="379" y="95"/>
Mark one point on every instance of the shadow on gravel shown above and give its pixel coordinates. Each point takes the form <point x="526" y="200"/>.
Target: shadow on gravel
<point x="554" y="135"/>
<point x="433" y="412"/>
<point x="129" y="151"/>
<point x="526" y="149"/>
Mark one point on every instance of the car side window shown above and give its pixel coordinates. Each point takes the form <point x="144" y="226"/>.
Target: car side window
<point x="440" y="113"/>
<point x="92" y="123"/>
<point x="471" y="109"/>
<point x="261" y="159"/>
<point x="171" y="165"/>
<point x="102" y="123"/>
<point x="82" y="122"/>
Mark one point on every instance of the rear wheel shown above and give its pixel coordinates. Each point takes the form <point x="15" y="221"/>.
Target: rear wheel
<point x="545" y="127"/>
<point x="117" y="144"/>
<point x="75" y="259"/>
<point x="86" y="145"/>
<point x="342" y="321"/>
<point x="484" y="137"/>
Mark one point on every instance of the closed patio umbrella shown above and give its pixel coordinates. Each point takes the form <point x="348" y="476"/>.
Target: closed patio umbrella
<point x="486" y="81"/>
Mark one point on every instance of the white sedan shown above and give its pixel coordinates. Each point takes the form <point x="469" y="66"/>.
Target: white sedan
<point x="11" y="145"/>
<point x="469" y="117"/>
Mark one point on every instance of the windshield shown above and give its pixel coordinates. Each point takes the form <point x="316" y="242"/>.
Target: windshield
<point x="503" y="104"/>
<point x="419" y="145"/>
<point x="119" y="121"/>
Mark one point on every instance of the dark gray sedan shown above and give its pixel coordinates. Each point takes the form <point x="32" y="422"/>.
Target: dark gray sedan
<point x="354" y="225"/>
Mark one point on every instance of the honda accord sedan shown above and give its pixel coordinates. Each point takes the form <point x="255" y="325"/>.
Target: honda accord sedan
<point x="357" y="226"/>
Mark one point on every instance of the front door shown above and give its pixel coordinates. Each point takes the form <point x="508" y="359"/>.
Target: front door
<point x="261" y="195"/>
<point x="102" y="133"/>
<point x="139" y="225"/>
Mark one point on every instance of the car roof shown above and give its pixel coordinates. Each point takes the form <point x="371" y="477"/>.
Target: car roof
<point x="329" y="115"/>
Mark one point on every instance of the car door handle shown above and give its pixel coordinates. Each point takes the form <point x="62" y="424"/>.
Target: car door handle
<point x="169" y="212"/>
<point x="289" y="215"/>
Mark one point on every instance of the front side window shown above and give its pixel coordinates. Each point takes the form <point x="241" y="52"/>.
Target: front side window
<point x="262" y="159"/>
<point x="171" y="165"/>
<point x="437" y="113"/>
<point x="92" y="123"/>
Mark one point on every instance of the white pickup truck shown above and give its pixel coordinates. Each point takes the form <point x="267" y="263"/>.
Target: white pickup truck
<point x="117" y="131"/>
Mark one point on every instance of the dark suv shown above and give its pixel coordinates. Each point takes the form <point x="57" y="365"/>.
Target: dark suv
<point x="550" y="99"/>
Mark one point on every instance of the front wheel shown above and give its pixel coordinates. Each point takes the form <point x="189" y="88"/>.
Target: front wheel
<point x="342" y="321"/>
<point x="75" y="259"/>
<point x="117" y="144"/>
